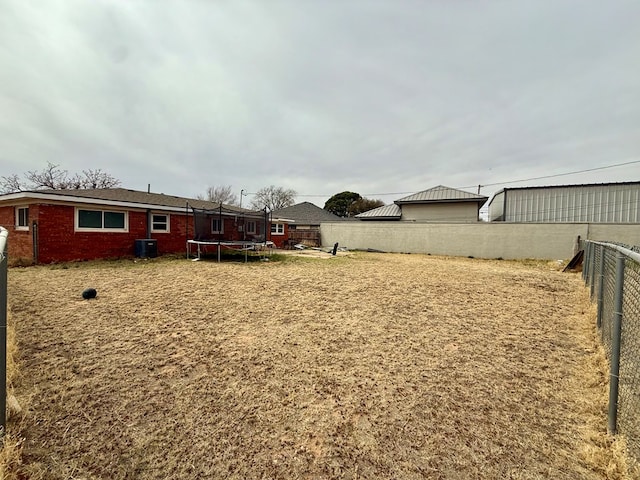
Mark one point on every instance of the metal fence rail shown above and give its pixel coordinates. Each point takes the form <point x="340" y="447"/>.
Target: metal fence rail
<point x="4" y="264"/>
<point x="612" y="272"/>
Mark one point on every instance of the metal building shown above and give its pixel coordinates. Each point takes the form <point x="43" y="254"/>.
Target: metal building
<point x="437" y="204"/>
<point x="589" y="203"/>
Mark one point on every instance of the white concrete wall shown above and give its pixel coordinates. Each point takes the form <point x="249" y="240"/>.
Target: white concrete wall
<point x="480" y="240"/>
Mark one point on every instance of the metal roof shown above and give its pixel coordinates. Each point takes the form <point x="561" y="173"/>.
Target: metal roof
<point x="574" y="185"/>
<point x="442" y="194"/>
<point x="389" y="212"/>
<point x="306" y="213"/>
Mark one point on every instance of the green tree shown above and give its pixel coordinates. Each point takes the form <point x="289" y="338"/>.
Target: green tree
<point x="350" y="204"/>
<point x="339" y="203"/>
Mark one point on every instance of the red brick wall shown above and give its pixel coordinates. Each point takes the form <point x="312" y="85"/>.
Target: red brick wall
<point x="175" y="241"/>
<point x="57" y="240"/>
<point x="19" y="241"/>
<point x="280" y="241"/>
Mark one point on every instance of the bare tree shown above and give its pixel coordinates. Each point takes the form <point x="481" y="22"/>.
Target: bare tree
<point x="54" y="178"/>
<point x="220" y="194"/>
<point x="273" y="198"/>
<point x="11" y="184"/>
<point x="94" y="179"/>
<point x="49" y="177"/>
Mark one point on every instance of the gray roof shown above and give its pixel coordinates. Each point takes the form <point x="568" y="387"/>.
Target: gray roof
<point x="442" y="194"/>
<point x="388" y="212"/>
<point x="572" y="185"/>
<point x="565" y="186"/>
<point x="125" y="196"/>
<point x="306" y="213"/>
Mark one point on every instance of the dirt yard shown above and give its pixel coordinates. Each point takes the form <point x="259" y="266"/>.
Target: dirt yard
<point x="357" y="366"/>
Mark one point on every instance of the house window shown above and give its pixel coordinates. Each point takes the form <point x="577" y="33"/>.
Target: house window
<point x="159" y="223"/>
<point x="22" y="218"/>
<point x="277" y="228"/>
<point x="217" y="225"/>
<point x="251" y="227"/>
<point x="101" y="220"/>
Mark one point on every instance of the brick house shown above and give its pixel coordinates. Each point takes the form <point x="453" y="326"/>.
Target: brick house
<point x="47" y="226"/>
<point x="305" y="219"/>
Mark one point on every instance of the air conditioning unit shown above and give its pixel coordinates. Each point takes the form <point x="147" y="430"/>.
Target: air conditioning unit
<point x="146" y="248"/>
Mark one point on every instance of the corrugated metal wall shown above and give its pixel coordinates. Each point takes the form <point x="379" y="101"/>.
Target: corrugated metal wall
<point x="583" y="203"/>
<point x="496" y="208"/>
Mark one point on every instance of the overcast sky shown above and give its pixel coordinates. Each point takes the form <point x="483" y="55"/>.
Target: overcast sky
<point x="321" y="96"/>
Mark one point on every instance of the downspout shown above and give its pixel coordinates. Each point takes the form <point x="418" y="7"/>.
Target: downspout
<point x="186" y="227"/>
<point x="34" y="241"/>
<point x="267" y="226"/>
<point x="148" y="224"/>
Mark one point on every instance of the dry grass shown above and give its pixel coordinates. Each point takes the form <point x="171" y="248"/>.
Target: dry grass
<point x="362" y="366"/>
<point x="10" y="453"/>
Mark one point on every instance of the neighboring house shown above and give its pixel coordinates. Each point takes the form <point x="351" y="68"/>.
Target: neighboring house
<point x="437" y="204"/>
<point x="305" y="223"/>
<point x="586" y="203"/>
<point x="63" y="225"/>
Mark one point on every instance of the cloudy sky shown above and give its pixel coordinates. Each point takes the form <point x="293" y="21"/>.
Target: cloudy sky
<point x="384" y="98"/>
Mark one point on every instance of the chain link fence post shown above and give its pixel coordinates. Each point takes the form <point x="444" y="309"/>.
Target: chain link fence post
<point x="4" y="261"/>
<point x="615" y="344"/>
<point x="600" y="285"/>
<point x="592" y="276"/>
<point x="587" y="263"/>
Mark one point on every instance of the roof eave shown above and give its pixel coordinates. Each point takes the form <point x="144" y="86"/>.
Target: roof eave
<point x="58" y="198"/>
<point x="453" y="200"/>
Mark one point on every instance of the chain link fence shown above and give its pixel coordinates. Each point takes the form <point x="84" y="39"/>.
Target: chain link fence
<point x="612" y="272"/>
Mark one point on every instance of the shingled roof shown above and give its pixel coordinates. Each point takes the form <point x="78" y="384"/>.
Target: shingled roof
<point x="124" y="196"/>
<point x="306" y="213"/>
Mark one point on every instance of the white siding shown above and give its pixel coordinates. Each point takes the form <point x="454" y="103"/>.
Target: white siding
<point x="584" y="203"/>
<point x="496" y="208"/>
<point x="440" y="212"/>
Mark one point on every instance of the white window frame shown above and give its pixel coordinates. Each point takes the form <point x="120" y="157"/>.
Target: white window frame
<point x="221" y="225"/>
<point x="277" y="229"/>
<point x="167" y="222"/>
<point x="251" y="226"/>
<point x="78" y="228"/>
<point x="18" y="226"/>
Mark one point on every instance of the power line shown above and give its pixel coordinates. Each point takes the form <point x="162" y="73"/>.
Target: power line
<point x="586" y="170"/>
<point x="555" y="175"/>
